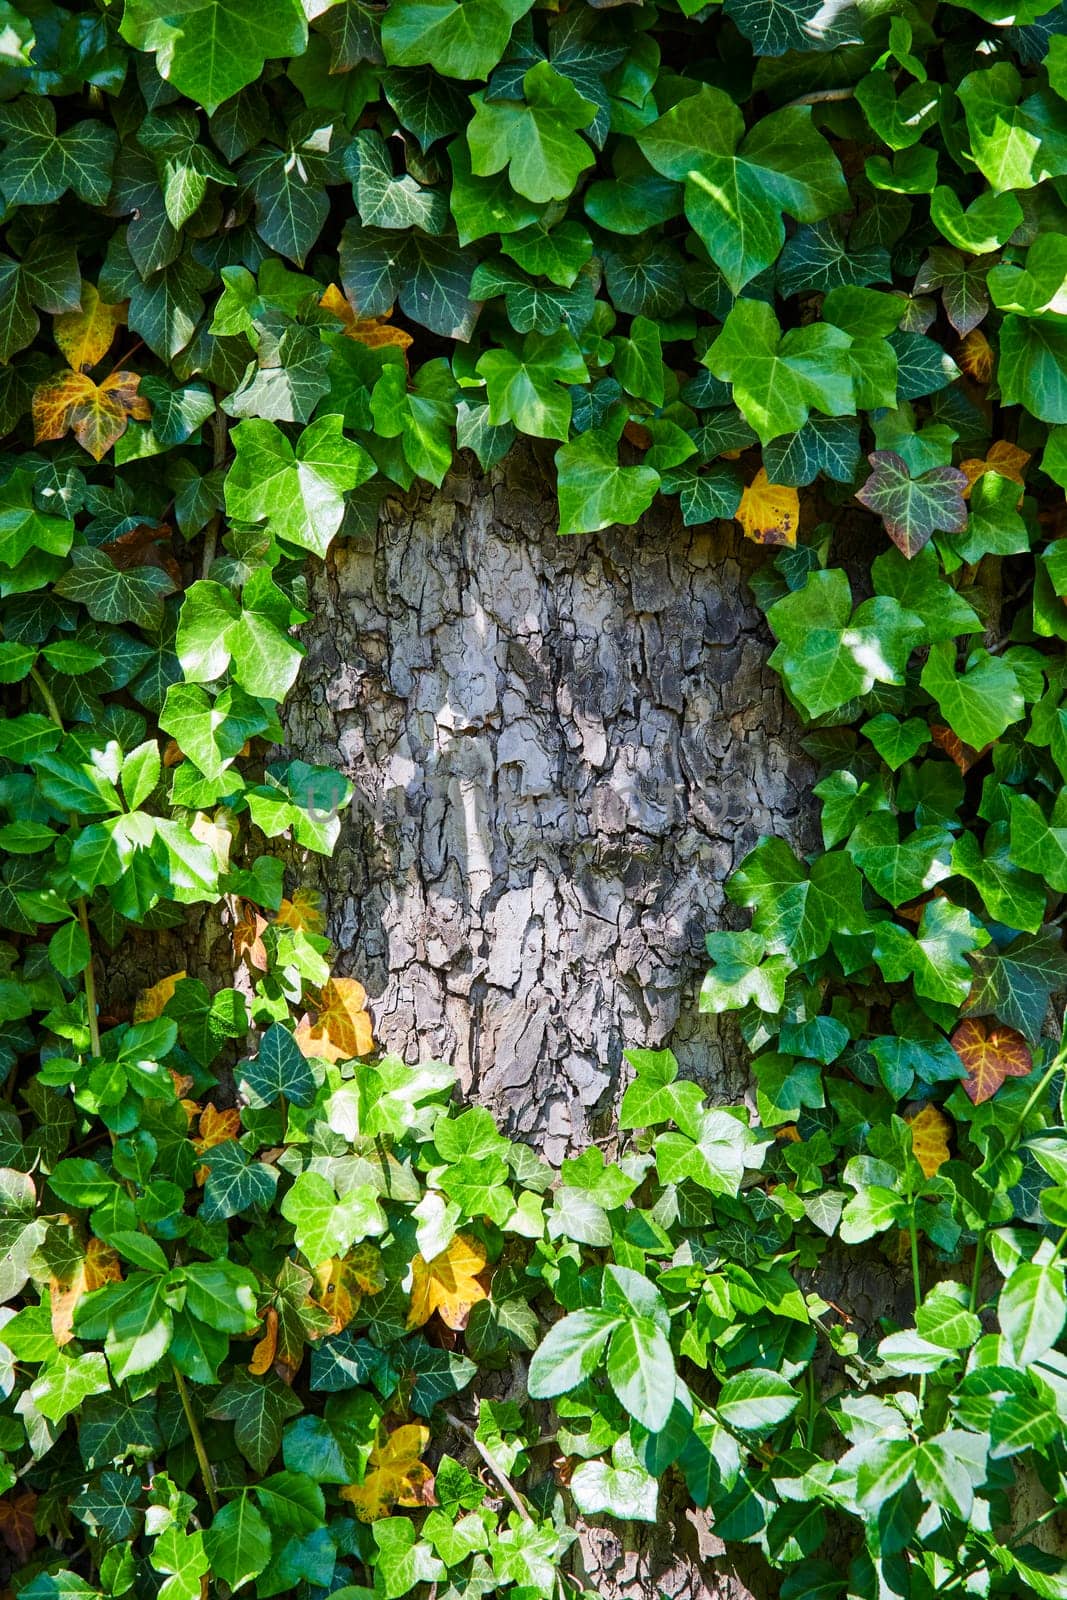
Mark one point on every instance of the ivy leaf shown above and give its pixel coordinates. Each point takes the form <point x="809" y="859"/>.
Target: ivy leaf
<point x="936" y="958"/>
<point x="238" y="1542"/>
<point x="773" y="28"/>
<point x="1015" y="984"/>
<point x="1015" y="146"/>
<point x="23" y="528"/>
<point x="769" y="512"/>
<point x="112" y="595"/>
<point x="536" y="138"/>
<point x="39" y="165"/>
<point x="85" y="336"/>
<point x="828" y="653"/>
<point x="447" y="1284"/>
<point x="280" y="1069"/>
<point x="778" y="378"/>
<point x="526" y="389"/>
<point x="900" y="871"/>
<point x="96" y="413"/>
<point x="47" y="278"/>
<point x="990" y="1052"/>
<point x="623" y="1489"/>
<point x="235" y="1182"/>
<point x="258" y="1408"/>
<point x="978" y="703"/>
<point x="962" y="283"/>
<point x="737" y="186"/>
<point x="287" y="379"/>
<point x="386" y="201"/>
<point x="827" y="445"/>
<point x="913" y="508"/>
<point x="326" y="1226"/>
<point x="299" y="493"/>
<point x="594" y="490"/>
<point x="1032" y="370"/>
<point x="797" y="910"/>
<point x="431" y="278"/>
<point x="210" y="49"/>
<point x="462" y="41"/>
<point x="212" y="732"/>
<point x="287" y="183"/>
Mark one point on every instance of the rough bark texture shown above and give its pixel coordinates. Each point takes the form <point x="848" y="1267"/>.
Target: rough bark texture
<point x="560" y="747"/>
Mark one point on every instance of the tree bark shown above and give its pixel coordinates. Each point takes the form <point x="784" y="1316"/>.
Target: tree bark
<point x="561" y="748"/>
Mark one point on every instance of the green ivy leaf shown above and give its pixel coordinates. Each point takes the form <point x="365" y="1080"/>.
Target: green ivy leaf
<point x="298" y="492"/>
<point x="462" y="41"/>
<point x="536" y="138"/>
<point x="212" y="48"/>
<point x="594" y="490"/>
<point x="737" y="186"/>
<point x="779" y="378"/>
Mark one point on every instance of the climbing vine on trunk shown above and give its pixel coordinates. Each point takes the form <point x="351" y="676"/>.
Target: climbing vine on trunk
<point x="263" y="1286"/>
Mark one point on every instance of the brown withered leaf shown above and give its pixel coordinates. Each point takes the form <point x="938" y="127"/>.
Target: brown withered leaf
<point x="98" y="1266"/>
<point x="266" y="1347"/>
<point x="964" y="755"/>
<point x="374" y="332"/>
<point x="96" y="413"/>
<point x="147" y="545"/>
<point x="85" y="336"/>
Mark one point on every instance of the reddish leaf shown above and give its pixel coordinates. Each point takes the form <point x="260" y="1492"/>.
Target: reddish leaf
<point x="914" y="508"/>
<point x="18" y="1527"/>
<point x="991" y="1052"/>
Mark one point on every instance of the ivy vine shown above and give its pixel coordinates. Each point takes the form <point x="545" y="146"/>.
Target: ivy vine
<point x="276" y="1312"/>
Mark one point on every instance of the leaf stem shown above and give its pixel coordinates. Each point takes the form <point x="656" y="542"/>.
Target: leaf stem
<point x="498" y="1473"/>
<point x="198" y="1441"/>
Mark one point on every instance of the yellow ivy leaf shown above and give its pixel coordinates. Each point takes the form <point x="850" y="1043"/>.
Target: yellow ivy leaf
<point x="264" y="1352"/>
<point x="98" y="1266"/>
<point x="1004" y="458"/>
<point x="216" y="1127"/>
<point x="974" y="356"/>
<point x="96" y="413"/>
<point x="150" y="1002"/>
<point x="448" y="1284"/>
<point x="394" y="1475"/>
<point x="343" y="1017"/>
<point x="342" y="1281"/>
<point x="930" y="1129"/>
<point x="85" y="336"/>
<point x="371" y="331"/>
<point x="303" y="912"/>
<point x="769" y="512"/>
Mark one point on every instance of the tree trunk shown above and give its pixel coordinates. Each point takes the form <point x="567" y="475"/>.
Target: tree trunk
<point x="561" y="748"/>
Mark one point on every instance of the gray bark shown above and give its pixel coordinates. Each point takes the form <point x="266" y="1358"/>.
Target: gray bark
<point x="560" y="748"/>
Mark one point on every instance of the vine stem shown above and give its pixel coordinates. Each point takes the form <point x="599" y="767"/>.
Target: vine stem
<point x="80" y="907"/>
<point x="498" y="1473"/>
<point x="198" y="1441"/>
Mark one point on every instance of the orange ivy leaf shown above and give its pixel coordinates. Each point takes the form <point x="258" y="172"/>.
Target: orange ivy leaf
<point x="96" y="413"/>
<point x="448" y="1284"/>
<point x="85" y="336"/>
<point x="769" y="512"/>
<point x="394" y="1476"/>
<point x="342" y="1281"/>
<point x="930" y="1129"/>
<point x="343" y="1029"/>
<point x="964" y="755"/>
<point x="248" y="933"/>
<point x="974" y="356"/>
<point x="374" y="332"/>
<point x="150" y="1003"/>
<point x="1003" y="458"/>
<point x="18" y="1524"/>
<point x="991" y="1052"/>
<point x="303" y="912"/>
<point x="264" y="1352"/>
<point x="216" y="1127"/>
<point x="98" y="1266"/>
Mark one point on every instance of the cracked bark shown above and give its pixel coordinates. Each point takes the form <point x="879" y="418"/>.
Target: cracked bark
<point x="560" y="750"/>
